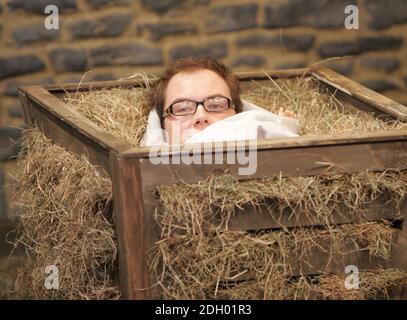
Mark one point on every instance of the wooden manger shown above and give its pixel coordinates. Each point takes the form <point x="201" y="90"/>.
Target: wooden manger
<point x="134" y="176"/>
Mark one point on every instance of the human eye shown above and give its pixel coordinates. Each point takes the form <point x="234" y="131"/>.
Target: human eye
<point x="183" y="108"/>
<point x="217" y="104"/>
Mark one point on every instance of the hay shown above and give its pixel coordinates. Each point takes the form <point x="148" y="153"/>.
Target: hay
<point x="195" y="254"/>
<point x="197" y="267"/>
<point x="318" y="110"/>
<point x="124" y="112"/>
<point x="121" y="112"/>
<point x="198" y="206"/>
<point x="63" y="201"/>
<point x="372" y="285"/>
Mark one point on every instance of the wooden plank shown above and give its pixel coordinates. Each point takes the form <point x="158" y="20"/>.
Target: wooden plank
<point x="398" y="292"/>
<point x="81" y="124"/>
<point x="130" y="223"/>
<point x="69" y="138"/>
<point x="352" y="105"/>
<point x="61" y="88"/>
<point x="273" y="74"/>
<point x="322" y="259"/>
<point x="252" y="80"/>
<point x="254" y="219"/>
<point x="151" y="233"/>
<point x="268" y="144"/>
<point x="360" y="92"/>
<point x="311" y="161"/>
<point x="25" y="103"/>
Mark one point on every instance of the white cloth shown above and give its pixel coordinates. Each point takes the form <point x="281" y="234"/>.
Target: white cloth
<point x="252" y="123"/>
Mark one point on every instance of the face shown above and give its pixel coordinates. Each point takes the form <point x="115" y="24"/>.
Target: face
<point x="194" y="85"/>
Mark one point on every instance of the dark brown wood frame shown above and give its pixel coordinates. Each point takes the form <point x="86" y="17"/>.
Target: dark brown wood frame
<point x="134" y="176"/>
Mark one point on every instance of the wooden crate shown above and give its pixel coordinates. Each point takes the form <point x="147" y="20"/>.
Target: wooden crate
<point x="134" y="176"/>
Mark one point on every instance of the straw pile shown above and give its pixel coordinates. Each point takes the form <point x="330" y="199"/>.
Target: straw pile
<point x="64" y="203"/>
<point x="65" y="222"/>
<point x="197" y="258"/>
<point x="124" y="112"/>
<point x="318" y="110"/>
<point x="120" y="112"/>
<point x="372" y="285"/>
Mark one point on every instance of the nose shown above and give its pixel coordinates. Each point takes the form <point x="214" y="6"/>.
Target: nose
<point x="200" y="120"/>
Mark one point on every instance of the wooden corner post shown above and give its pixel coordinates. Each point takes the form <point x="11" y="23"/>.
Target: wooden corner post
<point x="129" y="219"/>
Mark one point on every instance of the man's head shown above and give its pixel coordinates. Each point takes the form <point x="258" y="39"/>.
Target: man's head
<point x="185" y="83"/>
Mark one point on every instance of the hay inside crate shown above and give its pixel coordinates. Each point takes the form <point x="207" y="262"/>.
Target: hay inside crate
<point x="310" y="222"/>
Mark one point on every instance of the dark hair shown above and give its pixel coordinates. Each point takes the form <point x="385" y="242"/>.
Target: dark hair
<point x="157" y="92"/>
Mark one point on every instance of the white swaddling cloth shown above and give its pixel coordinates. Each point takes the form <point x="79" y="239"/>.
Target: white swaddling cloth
<point x="252" y="123"/>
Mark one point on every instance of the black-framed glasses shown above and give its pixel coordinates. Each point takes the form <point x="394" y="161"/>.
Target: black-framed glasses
<point x="188" y="107"/>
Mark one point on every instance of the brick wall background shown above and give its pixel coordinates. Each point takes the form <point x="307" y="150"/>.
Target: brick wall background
<point x="114" y="38"/>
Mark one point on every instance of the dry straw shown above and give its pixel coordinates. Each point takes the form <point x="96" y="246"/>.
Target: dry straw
<point x="318" y="110"/>
<point x="121" y="112"/>
<point x="65" y="202"/>
<point x="372" y="285"/>
<point x="124" y="112"/>
<point x="195" y="256"/>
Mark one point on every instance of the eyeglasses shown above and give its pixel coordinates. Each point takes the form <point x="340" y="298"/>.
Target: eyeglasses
<point x="187" y="107"/>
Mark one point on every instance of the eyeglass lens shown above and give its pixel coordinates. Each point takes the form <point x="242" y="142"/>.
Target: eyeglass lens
<point x="214" y="104"/>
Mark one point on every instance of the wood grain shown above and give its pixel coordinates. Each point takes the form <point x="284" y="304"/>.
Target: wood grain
<point x="254" y="218"/>
<point x="360" y="92"/>
<point x="83" y="126"/>
<point x="130" y="224"/>
<point x="294" y="161"/>
<point x="324" y="259"/>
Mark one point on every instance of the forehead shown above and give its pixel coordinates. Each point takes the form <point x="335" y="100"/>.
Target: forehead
<point x="195" y="85"/>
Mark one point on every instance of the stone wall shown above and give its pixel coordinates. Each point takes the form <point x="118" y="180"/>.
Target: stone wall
<point x="114" y="38"/>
